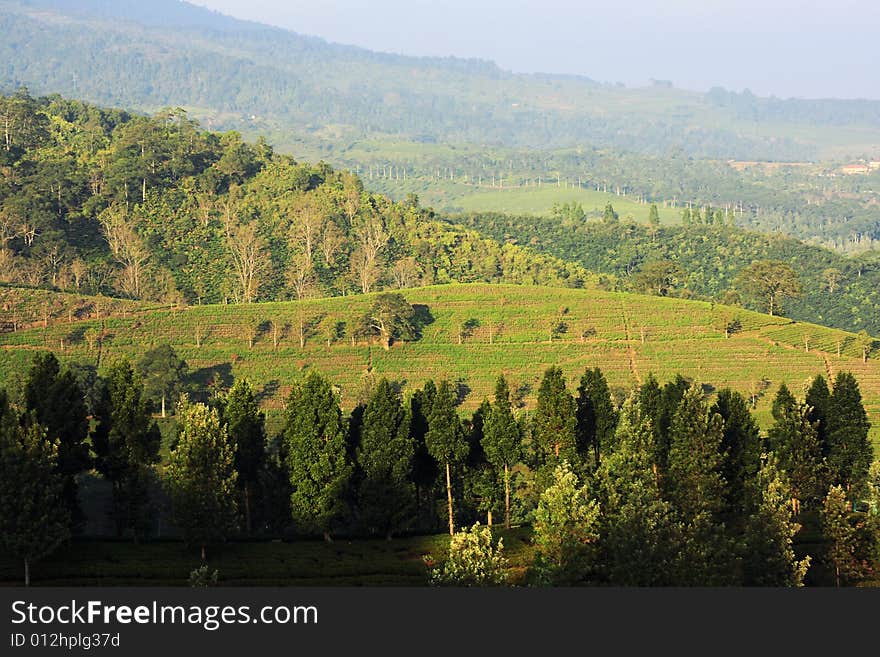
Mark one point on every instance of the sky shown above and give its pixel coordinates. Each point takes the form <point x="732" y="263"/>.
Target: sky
<point x="786" y="48"/>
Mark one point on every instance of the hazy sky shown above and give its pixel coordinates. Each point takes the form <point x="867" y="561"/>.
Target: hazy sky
<point x="783" y="47"/>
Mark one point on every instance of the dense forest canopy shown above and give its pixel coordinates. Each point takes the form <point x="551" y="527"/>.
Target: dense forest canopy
<point x="108" y="202"/>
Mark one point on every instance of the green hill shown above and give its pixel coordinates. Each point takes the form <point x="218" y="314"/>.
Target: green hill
<point x="474" y="332"/>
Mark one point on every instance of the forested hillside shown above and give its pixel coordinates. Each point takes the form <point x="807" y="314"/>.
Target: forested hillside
<point x="704" y="258"/>
<point x="249" y="76"/>
<point x="106" y="202"/>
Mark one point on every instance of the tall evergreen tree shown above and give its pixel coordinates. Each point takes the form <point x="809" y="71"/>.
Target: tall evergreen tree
<point x="741" y="450"/>
<point x="639" y="535"/>
<point x="671" y="397"/>
<point x="566" y="530"/>
<point x="695" y="487"/>
<point x="782" y="401"/>
<point x="445" y="439"/>
<point x="58" y="404"/>
<point x="818" y="398"/>
<point x="317" y="463"/>
<point x="596" y="417"/>
<point x="425" y="467"/>
<point x="502" y="440"/>
<point x="794" y="442"/>
<point x="34" y="521"/>
<point x="554" y="420"/>
<point x="202" y="479"/>
<point x="768" y="555"/>
<point x="840" y="536"/>
<point x="126" y="443"/>
<point x="849" y="451"/>
<point x="386" y="492"/>
<point x="246" y="429"/>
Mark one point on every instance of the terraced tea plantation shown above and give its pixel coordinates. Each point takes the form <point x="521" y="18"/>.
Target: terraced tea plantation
<point x="471" y="333"/>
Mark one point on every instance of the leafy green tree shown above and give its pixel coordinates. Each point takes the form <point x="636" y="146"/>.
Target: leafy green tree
<point x="391" y="317"/>
<point x="795" y="443"/>
<point x="596" y="418"/>
<point x="317" y="461"/>
<point x="555" y="419"/>
<point x="670" y="399"/>
<point x="741" y="449"/>
<point x="849" y="451"/>
<point x="565" y="531"/>
<point x="34" y="521"/>
<point x="502" y="440"/>
<point x="653" y="215"/>
<point x="126" y="442"/>
<point x="58" y="404"/>
<point x="769" y="282"/>
<point x="640" y="534"/>
<point x="163" y="373"/>
<point x="246" y="429"/>
<point x="202" y="479"/>
<point x="659" y="277"/>
<point x="768" y="557"/>
<point x="386" y="493"/>
<point x="445" y="439"/>
<point x="840" y="536"/>
<point x="474" y="560"/>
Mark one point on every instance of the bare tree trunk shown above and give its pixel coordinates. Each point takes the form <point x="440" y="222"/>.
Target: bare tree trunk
<point x="163" y="405"/>
<point x="247" y="507"/>
<point x="327" y="538"/>
<point x="203" y="553"/>
<point x="27" y="572"/>
<point x="506" y="496"/>
<point x="449" y="500"/>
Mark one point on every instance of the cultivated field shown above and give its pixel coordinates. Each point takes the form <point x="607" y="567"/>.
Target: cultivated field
<point x="473" y="333"/>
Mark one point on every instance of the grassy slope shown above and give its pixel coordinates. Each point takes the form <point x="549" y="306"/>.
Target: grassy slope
<point x="679" y="336"/>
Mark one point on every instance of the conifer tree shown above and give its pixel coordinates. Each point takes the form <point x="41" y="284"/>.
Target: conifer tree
<point x="849" y="452"/>
<point x="445" y="439"/>
<point x="386" y="493"/>
<point x="502" y="440"/>
<point x="768" y="556"/>
<point x="34" y="520"/>
<point x="784" y="400"/>
<point x="201" y="477"/>
<point x="246" y="428"/>
<point x="794" y="442"/>
<point x="840" y="536"/>
<point x="554" y="420"/>
<point x="58" y="404"/>
<point x="317" y="462"/>
<point x="640" y="535"/>
<point x="741" y="450"/>
<point x="126" y="443"/>
<point x="425" y="467"/>
<point x="670" y="399"/>
<point x="818" y="399"/>
<point x="566" y="529"/>
<point x="596" y="417"/>
<point x="696" y="489"/>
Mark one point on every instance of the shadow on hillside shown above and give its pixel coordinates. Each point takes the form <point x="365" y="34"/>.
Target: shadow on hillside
<point x="422" y="318"/>
<point x="203" y="381"/>
<point x="268" y="391"/>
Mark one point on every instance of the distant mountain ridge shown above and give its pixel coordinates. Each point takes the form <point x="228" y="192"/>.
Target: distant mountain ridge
<point x="256" y="78"/>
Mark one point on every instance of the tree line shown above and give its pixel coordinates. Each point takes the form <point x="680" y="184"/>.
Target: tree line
<point x="670" y="486"/>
